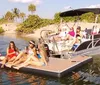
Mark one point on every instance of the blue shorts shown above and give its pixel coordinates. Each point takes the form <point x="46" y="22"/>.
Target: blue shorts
<point x="74" y="47"/>
<point x="39" y="56"/>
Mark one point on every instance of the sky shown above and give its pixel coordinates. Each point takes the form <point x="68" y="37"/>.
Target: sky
<point x="45" y="8"/>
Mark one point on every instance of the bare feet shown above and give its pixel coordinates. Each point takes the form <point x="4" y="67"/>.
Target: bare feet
<point x="16" y="67"/>
<point x="8" y="65"/>
<point x="2" y="66"/>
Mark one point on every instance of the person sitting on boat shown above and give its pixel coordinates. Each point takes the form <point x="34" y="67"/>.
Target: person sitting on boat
<point x="77" y="42"/>
<point x="79" y="32"/>
<point x="70" y="34"/>
<point x="12" y="52"/>
<point x="42" y="57"/>
<point x="94" y="30"/>
<point x="24" y="55"/>
<point x="58" y="36"/>
<point x="63" y="30"/>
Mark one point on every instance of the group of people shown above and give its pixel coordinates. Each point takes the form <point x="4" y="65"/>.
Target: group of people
<point x="72" y="34"/>
<point x="31" y="55"/>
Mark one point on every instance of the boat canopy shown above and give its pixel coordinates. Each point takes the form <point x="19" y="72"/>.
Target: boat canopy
<point x="78" y="12"/>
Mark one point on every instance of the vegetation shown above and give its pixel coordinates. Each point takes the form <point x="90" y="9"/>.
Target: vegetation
<point x="98" y="21"/>
<point x="32" y="8"/>
<point x="16" y="13"/>
<point x="33" y="22"/>
<point x="22" y="16"/>
<point x="1" y="30"/>
<point x="9" y="16"/>
<point x="57" y="18"/>
<point x="88" y="17"/>
<point x="3" y="20"/>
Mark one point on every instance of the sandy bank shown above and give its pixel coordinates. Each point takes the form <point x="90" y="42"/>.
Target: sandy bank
<point x="54" y="28"/>
<point x="11" y="27"/>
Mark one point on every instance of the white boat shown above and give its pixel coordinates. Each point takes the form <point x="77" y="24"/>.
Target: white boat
<point x="90" y="45"/>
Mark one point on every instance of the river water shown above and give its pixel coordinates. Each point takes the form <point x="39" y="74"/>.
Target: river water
<point x="13" y="77"/>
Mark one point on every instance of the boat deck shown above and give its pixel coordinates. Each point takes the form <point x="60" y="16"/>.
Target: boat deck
<point x="58" y="67"/>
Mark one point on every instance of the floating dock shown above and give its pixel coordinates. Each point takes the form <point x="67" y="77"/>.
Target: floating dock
<point x="58" y="67"/>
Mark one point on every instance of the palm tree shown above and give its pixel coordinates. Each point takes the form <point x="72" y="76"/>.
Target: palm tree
<point x="32" y="8"/>
<point x="16" y="12"/>
<point x="22" y="15"/>
<point x="9" y="16"/>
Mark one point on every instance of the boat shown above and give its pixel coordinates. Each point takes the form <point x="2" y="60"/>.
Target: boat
<point x="59" y="67"/>
<point x="89" y="46"/>
<point x="52" y="69"/>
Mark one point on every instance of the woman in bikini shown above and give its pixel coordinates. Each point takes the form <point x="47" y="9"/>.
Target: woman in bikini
<point x="42" y="58"/>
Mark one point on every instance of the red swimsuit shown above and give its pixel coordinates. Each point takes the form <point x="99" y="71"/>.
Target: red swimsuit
<point x="12" y="55"/>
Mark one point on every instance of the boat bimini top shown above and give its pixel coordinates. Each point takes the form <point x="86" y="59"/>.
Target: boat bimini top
<point x="78" y="12"/>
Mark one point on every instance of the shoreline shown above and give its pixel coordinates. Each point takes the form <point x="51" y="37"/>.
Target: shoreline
<point x="10" y="28"/>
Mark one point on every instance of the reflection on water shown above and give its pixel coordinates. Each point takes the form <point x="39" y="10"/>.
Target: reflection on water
<point x="8" y="77"/>
<point x="12" y="77"/>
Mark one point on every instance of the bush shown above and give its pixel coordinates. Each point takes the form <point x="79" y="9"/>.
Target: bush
<point x="1" y="30"/>
<point x="25" y="30"/>
<point x="33" y="22"/>
<point x="88" y="17"/>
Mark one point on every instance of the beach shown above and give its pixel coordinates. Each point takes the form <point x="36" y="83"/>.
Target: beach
<point x="10" y="28"/>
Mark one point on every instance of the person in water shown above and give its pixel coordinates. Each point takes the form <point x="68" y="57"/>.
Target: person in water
<point x="25" y="55"/>
<point x="12" y="52"/>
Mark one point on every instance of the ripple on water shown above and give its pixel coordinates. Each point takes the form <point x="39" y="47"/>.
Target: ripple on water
<point x="9" y="77"/>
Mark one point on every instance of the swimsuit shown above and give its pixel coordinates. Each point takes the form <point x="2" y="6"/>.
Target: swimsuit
<point x="39" y="56"/>
<point x="12" y="55"/>
<point x="30" y="52"/>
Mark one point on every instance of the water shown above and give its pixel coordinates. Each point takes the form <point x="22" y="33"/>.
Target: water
<point x="13" y="77"/>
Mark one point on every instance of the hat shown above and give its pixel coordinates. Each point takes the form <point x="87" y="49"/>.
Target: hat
<point x="32" y="42"/>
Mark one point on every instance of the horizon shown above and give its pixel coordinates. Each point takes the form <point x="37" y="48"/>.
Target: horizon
<point x="45" y="8"/>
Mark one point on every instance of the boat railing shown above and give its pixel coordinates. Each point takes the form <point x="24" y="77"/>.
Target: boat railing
<point x="97" y="42"/>
<point x="89" y="45"/>
<point x="93" y="42"/>
<point x="58" y="47"/>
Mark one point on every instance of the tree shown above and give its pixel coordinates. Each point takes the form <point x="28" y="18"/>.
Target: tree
<point x="32" y="8"/>
<point x="32" y="23"/>
<point x="98" y="21"/>
<point x="57" y="17"/>
<point x="22" y="15"/>
<point x="9" y="16"/>
<point x="16" y="12"/>
<point x="89" y="17"/>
